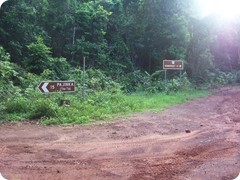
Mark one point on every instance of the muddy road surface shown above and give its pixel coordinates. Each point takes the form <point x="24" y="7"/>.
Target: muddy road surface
<point x="196" y="140"/>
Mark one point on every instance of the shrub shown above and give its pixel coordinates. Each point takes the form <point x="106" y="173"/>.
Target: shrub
<point x="61" y="68"/>
<point x="43" y="108"/>
<point x="96" y="80"/>
<point x="39" y="56"/>
<point x="17" y="105"/>
<point x="134" y="81"/>
<point x="219" y="78"/>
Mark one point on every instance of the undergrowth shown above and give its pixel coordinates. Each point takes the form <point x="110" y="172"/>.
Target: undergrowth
<point x="99" y="105"/>
<point x="105" y="97"/>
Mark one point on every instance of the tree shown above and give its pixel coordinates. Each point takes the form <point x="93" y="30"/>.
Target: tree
<point x="199" y="56"/>
<point x="226" y="47"/>
<point x="90" y="24"/>
<point x="19" y="24"/>
<point x="39" y="56"/>
<point x="158" y="31"/>
<point x="59" y="24"/>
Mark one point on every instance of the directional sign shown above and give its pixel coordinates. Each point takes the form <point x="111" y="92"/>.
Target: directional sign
<point x="173" y="64"/>
<point x="57" y="86"/>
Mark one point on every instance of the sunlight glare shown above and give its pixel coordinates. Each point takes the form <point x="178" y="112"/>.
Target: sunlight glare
<point x="227" y="9"/>
<point x="1" y="2"/>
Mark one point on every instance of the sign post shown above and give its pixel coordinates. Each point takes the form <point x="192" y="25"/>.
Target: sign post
<point x="172" y="65"/>
<point x="83" y="78"/>
<point x="57" y="86"/>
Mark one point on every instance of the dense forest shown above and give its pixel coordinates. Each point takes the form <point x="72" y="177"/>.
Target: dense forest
<point x="124" y="43"/>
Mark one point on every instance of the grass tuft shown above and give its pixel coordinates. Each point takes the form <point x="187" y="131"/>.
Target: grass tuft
<point x="97" y="106"/>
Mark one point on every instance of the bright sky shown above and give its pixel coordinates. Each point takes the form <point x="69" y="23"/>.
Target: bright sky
<point x="1" y="2"/>
<point x="227" y="9"/>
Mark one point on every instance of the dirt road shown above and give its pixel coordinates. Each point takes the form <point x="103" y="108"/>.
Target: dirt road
<point x="196" y="140"/>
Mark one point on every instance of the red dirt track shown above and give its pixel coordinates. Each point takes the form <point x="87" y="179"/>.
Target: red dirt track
<point x="141" y="146"/>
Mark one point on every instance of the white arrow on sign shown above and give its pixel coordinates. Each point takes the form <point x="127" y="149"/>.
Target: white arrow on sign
<point x="57" y="86"/>
<point x="44" y="87"/>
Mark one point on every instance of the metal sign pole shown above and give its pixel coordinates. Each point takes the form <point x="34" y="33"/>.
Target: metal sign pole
<point x="180" y="76"/>
<point x="165" y="79"/>
<point x="172" y="65"/>
<point x="165" y="75"/>
<point x="83" y="79"/>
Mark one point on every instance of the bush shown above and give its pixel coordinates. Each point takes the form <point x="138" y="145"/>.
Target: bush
<point x="219" y="78"/>
<point x="96" y="80"/>
<point x="98" y="105"/>
<point x="42" y="108"/>
<point x="18" y="105"/>
<point x="154" y="83"/>
<point x="61" y="68"/>
<point x="134" y="81"/>
<point x="104" y="98"/>
<point x="39" y="56"/>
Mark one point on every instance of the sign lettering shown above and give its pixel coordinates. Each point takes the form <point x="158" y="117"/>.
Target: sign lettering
<point x="173" y="64"/>
<point x="57" y="86"/>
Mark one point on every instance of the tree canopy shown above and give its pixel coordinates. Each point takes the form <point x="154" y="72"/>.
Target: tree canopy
<point x="117" y="36"/>
<point x="124" y="43"/>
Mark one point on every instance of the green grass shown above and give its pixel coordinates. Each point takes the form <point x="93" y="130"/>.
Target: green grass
<point x="103" y="106"/>
<point x="98" y="106"/>
<point x="160" y="101"/>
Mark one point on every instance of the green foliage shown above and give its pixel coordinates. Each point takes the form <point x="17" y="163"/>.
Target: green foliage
<point x="157" y="31"/>
<point x="39" y="57"/>
<point x="61" y="68"/>
<point x="219" y="78"/>
<point x="91" y="21"/>
<point x="103" y="105"/>
<point x="116" y="36"/>
<point x="96" y="80"/>
<point x="9" y="74"/>
<point x="104" y="99"/>
<point x="7" y="69"/>
<point x="43" y="108"/>
<point x="4" y="56"/>
<point x="134" y="81"/>
<point x="159" y="101"/>
<point x="178" y="84"/>
<point x="19" y="24"/>
<point x="40" y="61"/>
<point x="154" y="83"/>
<point x="8" y="90"/>
<point x="199" y="57"/>
<point x="24" y="107"/>
<point x="18" y="105"/>
<point x="124" y="43"/>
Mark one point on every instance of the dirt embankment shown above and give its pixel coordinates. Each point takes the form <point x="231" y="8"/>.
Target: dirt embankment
<point x="196" y="140"/>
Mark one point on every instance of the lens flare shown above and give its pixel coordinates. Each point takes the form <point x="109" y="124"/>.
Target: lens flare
<point x="227" y="9"/>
